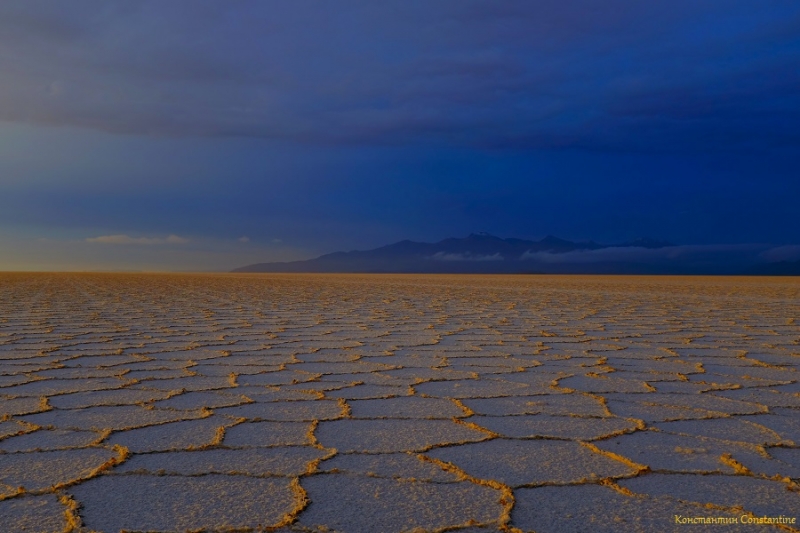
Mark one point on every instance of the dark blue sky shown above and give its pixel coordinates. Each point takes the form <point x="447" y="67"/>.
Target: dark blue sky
<point x="206" y="135"/>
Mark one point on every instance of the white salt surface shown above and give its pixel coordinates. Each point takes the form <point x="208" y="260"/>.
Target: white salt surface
<point x="396" y="403"/>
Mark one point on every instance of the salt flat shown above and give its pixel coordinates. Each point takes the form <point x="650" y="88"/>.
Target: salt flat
<point x="360" y="403"/>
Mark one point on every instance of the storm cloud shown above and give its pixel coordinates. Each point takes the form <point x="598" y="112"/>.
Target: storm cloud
<point x="616" y="74"/>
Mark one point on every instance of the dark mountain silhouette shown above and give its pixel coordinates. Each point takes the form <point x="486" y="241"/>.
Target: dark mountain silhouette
<point x="476" y="253"/>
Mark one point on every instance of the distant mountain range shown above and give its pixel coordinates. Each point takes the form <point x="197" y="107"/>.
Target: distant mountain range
<point x="484" y="253"/>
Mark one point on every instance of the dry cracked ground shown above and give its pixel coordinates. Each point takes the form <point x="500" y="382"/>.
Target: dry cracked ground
<point x="396" y="403"/>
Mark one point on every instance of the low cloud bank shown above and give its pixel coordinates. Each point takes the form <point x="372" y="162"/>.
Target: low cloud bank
<point x="789" y="252"/>
<point x="647" y="255"/>
<point x="126" y="239"/>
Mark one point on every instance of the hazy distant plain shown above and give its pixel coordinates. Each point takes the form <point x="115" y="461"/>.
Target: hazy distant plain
<point x="387" y="403"/>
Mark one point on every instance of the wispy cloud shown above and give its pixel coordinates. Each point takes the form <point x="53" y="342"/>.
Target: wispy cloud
<point x="126" y="239"/>
<point x="243" y="238"/>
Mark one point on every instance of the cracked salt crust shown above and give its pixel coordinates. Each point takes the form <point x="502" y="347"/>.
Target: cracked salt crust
<point x="170" y="436"/>
<point x="475" y="388"/>
<point x="733" y="429"/>
<point x="368" y="504"/>
<point x="109" y="417"/>
<point x="384" y="436"/>
<point x="179" y="503"/>
<point x="419" y="375"/>
<point x="44" y="440"/>
<point x="557" y="404"/>
<point x="62" y="386"/>
<point x="13" y="427"/>
<point x="709" y="402"/>
<point x="201" y="399"/>
<point x="406" y="407"/>
<point x="461" y="403"/>
<point x="277" y="378"/>
<point x="298" y="411"/>
<point x="268" y="434"/>
<point x="653" y="412"/>
<point x="368" y="391"/>
<point x="33" y="513"/>
<point x="598" y="509"/>
<point x="303" y="391"/>
<point x="388" y="465"/>
<point x="78" y="400"/>
<point x="532" y="462"/>
<point x="759" y="496"/>
<point x="769" y="398"/>
<point x="276" y="461"/>
<point x="38" y="471"/>
<point x="784" y="422"/>
<point x="677" y="453"/>
<point x="563" y="427"/>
